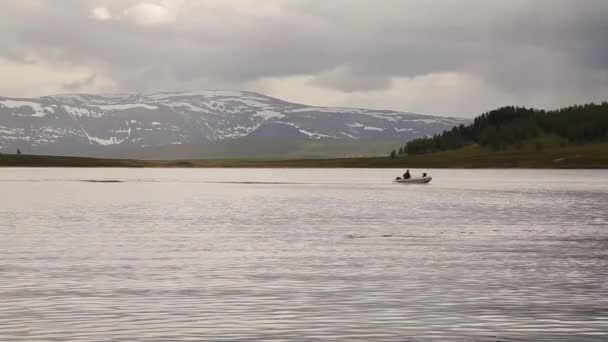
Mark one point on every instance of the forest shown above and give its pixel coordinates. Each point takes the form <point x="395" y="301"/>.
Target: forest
<point x="512" y="126"/>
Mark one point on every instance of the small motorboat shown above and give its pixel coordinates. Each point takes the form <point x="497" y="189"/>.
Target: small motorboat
<point x="413" y="180"/>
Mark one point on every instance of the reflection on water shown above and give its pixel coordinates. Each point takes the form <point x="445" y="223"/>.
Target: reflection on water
<point x="284" y="255"/>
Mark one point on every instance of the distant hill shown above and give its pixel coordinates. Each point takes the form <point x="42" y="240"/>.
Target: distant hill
<point x="201" y="124"/>
<point x="518" y="129"/>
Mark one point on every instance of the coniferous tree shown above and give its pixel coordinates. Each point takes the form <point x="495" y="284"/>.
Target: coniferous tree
<point x="508" y="126"/>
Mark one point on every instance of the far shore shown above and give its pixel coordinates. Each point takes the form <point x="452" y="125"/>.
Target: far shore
<point x="591" y="156"/>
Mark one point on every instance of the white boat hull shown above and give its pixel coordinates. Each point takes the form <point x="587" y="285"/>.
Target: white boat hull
<point x="418" y="180"/>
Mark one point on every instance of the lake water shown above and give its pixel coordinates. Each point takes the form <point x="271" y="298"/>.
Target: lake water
<point x="301" y="255"/>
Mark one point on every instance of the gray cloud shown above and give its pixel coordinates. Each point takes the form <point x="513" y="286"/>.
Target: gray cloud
<point x="346" y="80"/>
<point x="79" y="85"/>
<point x="543" y="52"/>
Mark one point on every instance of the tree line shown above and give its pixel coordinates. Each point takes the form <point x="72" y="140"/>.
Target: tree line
<point x="508" y="126"/>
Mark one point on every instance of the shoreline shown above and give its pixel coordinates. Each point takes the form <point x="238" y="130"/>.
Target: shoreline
<point x="592" y="156"/>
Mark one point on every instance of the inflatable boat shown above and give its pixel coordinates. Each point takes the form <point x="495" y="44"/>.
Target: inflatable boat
<point x="413" y="180"/>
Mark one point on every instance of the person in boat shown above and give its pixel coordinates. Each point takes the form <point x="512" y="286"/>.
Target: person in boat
<point x="407" y="175"/>
<point x="424" y="175"/>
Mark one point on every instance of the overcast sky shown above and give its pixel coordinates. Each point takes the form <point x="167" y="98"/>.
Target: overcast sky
<point x="443" y="57"/>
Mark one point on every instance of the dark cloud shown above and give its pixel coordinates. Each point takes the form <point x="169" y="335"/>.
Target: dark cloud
<point x="526" y="49"/>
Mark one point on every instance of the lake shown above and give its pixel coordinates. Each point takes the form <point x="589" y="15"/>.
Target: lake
<point x="303" y="254"/>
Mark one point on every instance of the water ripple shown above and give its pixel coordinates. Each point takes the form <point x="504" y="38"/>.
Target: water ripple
<point x="300" y="255"/>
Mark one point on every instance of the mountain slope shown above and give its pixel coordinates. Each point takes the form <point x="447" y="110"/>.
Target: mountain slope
<point x="81" y="124"/>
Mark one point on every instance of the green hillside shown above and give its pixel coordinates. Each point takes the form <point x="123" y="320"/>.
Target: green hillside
<point x="513" y="127"/>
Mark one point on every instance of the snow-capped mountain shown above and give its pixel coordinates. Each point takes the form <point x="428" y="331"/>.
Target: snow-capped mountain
<point x="81" y="123"/>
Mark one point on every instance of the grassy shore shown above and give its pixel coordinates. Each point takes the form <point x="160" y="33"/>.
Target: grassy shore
<point x="591" y="156"/>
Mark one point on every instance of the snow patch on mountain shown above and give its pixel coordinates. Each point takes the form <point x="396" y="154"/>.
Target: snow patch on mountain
<point x="326" y="110"/>
<point x="253" y="103"/>
<point x="105" y="142"/>
<point x="426" y="121"/>
<point x="313" y="135"/>
<point x="268" y="114"/>
<point x="350" y="136"/>
<point x="387" y="117"/>
<point x="185" y="105"/>
<point x="10" y="131"/>
<point x="205" y="93"/>
<point x="35" y="107"/>
<point x="79" y="122"/>
<point x="109" y="141"/>
<point x="82" y="112"/>
<point x="126" y="106"/>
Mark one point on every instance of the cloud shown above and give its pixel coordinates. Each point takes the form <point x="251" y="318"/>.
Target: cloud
<point x="451" y="92"/>
<point x="146" y="13"/>
<point x="143" y="13"/>
<point x="101" y="13"/>
<point x="444" y="56"/>
<point x="344" y="79"/>
<point x="79" y="85"/>
<point x="39" y="78"/>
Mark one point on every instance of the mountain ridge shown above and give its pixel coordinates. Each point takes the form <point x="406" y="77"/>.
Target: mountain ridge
<point x="89" y="124"/>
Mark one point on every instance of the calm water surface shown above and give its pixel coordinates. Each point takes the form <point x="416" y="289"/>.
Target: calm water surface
<point x="288" y="255"/>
